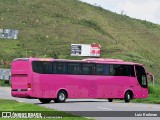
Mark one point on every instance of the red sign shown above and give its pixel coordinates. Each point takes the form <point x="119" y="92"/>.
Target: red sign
<point x="95" y="49"/>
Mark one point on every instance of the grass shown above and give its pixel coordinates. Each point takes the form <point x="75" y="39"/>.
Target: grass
<point x="17" y="107"/>
<point x="4" y="83"/>
<point x="48" y="28"/>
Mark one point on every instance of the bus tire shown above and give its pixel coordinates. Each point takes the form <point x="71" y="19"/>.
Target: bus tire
<point x="127" y="97"/>
<point x="42" y="100"/>
<point x="61" y="97"/>
<point x="110" y="99"/>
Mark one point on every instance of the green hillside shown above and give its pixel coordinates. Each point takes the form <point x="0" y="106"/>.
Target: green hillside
<point x="48" y="27"/>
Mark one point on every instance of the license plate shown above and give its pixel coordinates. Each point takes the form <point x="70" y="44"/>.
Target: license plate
<point x="19" y="89"/>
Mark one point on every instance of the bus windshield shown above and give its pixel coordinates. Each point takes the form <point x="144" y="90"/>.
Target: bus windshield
<point x="141" y="76"/>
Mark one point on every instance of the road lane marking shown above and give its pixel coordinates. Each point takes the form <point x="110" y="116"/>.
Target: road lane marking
<point x="104" y="108"/>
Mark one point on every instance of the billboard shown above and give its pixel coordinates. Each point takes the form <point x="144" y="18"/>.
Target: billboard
<point x="8" y="33"/>
<point x="85" y="50"/>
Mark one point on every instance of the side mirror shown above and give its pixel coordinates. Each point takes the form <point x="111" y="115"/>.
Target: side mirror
<point x="151" y="77"/>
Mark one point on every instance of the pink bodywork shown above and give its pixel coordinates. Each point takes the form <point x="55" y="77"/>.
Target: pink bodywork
<point x="77" y="86"/>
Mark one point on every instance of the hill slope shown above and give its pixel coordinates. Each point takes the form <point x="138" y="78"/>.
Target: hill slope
<point x="49" y="27"/>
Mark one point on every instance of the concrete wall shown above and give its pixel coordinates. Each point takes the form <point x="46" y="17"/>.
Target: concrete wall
<point x="5" y="74"/>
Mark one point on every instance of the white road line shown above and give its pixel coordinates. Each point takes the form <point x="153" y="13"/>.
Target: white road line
<point x="104" y="108"/>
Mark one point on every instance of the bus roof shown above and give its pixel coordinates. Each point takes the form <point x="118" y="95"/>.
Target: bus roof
<point x="88" y="60"/>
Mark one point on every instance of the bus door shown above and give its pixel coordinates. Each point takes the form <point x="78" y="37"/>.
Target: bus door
<point x="142" y="80"/>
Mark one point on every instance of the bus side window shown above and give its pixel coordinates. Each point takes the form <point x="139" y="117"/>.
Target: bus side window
<point x="106" y="69"/>
<point x="47" y="68"/>
<point x="102" y="69"/>
<point x="60" y="68"/>
<point x="128" y="70"/>
<point x="37" y="66"/>
<point x="88" y="69"/>
<point x="74" y="68"/>
<point x="99" y="69"/>
<point x="42" y="67"/>
<point x="122" y="70"/>
<point x="113" y="70"/>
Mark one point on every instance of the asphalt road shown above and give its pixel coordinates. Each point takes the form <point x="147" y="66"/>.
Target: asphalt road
<point x="97" y="106"/>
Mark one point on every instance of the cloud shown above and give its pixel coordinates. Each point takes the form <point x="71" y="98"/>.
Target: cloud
<point x="147" y="10"/>
<point x="107" y="4"/>
<point x="140" y="9"/>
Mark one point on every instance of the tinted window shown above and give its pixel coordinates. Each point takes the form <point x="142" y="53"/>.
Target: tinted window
<point x="74" y="68"/>
<point x="122" y="70"/>
<point x="128" y="70"/>
<point x="141" y="76"/>
<point x="42" y="67"/>
<point x="60" y="68"/>
<point x="88" y="69"/>
<point x="47" y="67"/>
<point x="37" y="67"/>
<point x="102" y="69"/>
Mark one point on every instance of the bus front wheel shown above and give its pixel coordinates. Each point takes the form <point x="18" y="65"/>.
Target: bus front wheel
<point x="42" y="100"/>
<point x="127" y="97"/>
<point x="61" y="97"/>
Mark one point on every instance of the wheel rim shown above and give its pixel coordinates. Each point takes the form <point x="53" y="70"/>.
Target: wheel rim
<point x="61" y="96"/>
<point x="128" y="97"/>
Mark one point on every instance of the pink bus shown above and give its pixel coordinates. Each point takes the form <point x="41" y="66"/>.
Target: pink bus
<point x="57" y="79"/>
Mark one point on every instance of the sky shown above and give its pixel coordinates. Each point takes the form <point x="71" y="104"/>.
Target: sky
<point x="141" y="9"/>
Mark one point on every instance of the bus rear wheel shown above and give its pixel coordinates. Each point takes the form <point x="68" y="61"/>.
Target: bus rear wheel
<point x="43" y="100"/>
<point x="61" y="97"/>
<point x="110" y="99"/>
<point x="127" y="97"/>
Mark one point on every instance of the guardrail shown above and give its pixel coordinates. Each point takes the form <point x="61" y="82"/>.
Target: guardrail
<point x="5" y="74"/>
